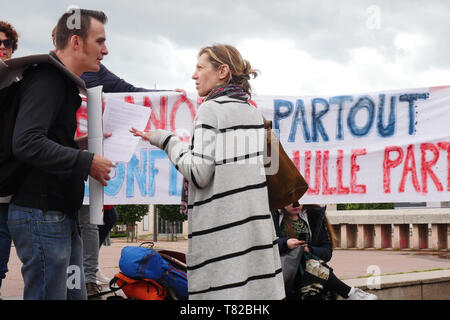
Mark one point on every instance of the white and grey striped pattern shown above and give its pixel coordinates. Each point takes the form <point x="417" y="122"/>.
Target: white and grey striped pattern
<point x="233" y="253"/>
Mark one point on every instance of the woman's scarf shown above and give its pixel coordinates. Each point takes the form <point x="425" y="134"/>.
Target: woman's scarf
<point x="232" y="91"/>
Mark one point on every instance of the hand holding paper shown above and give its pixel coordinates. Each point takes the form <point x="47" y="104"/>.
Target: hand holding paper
<point x="142" y="134"/>
<point x="100" y="169"/>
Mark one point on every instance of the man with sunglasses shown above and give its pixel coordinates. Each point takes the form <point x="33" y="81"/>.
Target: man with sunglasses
<point x="8" y="40"/>
<point x="8" y="44"/>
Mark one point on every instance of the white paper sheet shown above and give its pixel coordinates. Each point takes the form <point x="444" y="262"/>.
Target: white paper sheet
<point x="118" y="118"/>
<point x="95" y="141"/>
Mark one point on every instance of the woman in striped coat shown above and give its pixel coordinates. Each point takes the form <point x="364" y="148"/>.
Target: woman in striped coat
<point x="233" y="252"/>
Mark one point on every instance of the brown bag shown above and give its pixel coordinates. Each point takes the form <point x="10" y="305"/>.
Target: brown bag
<point x="285" y="184"/>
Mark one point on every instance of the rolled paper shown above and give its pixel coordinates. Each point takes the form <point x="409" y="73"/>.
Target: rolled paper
<point x="95" y="145"/>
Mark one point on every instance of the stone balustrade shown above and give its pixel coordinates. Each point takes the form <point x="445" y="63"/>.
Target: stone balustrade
<point x="391" y="228"/>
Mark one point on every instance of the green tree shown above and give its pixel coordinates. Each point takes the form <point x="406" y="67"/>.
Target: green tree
<point x="130" y="215"/>
<point x="172" y="214"/>
<point x="365" y="206"/>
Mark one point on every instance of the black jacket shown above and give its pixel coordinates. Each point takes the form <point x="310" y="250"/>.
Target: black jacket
<point x="320" y="244"/>
<point x="44" y="139"/>
<point x="109" y="81"/>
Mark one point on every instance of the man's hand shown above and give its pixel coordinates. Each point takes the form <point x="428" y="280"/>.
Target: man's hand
<point x="82" y="141"/>
<point x="100" y="169"/>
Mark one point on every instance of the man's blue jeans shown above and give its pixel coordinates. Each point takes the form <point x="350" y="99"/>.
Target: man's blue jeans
<point x="5" y="241"/>
<point x="50" y="248"/>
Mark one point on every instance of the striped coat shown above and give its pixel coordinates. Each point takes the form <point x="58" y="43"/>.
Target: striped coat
<point x="233" y="252"/>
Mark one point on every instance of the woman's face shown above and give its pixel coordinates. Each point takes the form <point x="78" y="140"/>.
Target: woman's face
<point x="293" y="211"/>
<point x="206" y="76"/>
<point x="5" y="53"/>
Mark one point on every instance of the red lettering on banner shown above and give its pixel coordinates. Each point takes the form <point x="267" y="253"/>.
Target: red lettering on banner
<point x="81" y="117"/>
<point x="354" y="187"/>
<point x="409" y="168"/>
<point x="199" y="102"/>
<point x="296" y="159"/>
<point x="426" y="167"/>
<point x="339" y="166"/>
<point x="316" y="189"/>
<point x="322" y="172"/>
<point x="182" y="99"/>
<point x="326" y="189"/>
<point x="129" y="99"/>
<point x="308" y="172"/>
<point x="388" y="164"/>
<point x="161" y="123"/>
<point x="446" y="146"/>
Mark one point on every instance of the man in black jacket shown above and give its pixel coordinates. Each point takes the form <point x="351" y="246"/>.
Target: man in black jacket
<point x="43" y="214"/>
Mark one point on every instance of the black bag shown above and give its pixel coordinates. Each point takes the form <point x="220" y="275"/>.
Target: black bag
<point x="11" y="169"/>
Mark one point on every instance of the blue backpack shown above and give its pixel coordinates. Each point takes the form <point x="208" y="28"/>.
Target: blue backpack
<point x="147" y="263"/>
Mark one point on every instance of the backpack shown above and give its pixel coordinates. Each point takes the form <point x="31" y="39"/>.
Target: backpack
<point x="147" y="274"/>
<point x="140" y="289"/>
<point x="147" y="263"/>
<point x="12" y="170"/>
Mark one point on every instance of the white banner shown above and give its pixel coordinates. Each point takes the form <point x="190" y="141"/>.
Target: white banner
<point x="391" y="146"/>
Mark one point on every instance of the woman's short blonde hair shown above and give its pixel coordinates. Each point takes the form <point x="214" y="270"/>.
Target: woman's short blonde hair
<point x="240" y="69"/>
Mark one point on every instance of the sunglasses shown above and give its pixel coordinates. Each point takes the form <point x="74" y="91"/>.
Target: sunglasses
<point x="7" y="43"/>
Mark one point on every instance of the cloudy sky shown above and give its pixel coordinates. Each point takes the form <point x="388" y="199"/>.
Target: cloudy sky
<point x="301" y="47"/>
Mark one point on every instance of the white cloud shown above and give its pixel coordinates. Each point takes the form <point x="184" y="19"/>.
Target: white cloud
<point x="302" y="47"/>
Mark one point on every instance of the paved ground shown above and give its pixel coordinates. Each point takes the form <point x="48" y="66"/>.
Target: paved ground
<point x="347" y="264"/>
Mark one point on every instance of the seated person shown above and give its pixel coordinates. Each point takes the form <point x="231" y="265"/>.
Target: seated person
<point x="307" y="226"/>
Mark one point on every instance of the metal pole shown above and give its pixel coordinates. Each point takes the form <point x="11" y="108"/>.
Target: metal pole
<point x="155" y="223"/>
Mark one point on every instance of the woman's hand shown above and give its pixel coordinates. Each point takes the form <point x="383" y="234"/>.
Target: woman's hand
<point x="142" y="134"/>
<point x="293" y="243"/>
<point x="305" y="247"/>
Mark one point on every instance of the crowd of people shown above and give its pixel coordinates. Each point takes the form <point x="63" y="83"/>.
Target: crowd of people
<point x="50" y="227"/>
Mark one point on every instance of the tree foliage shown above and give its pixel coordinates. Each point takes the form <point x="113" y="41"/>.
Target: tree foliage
<point x="130" y="214"/>
<point x="365" y="206"/>
<point x="171" y="213"/>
